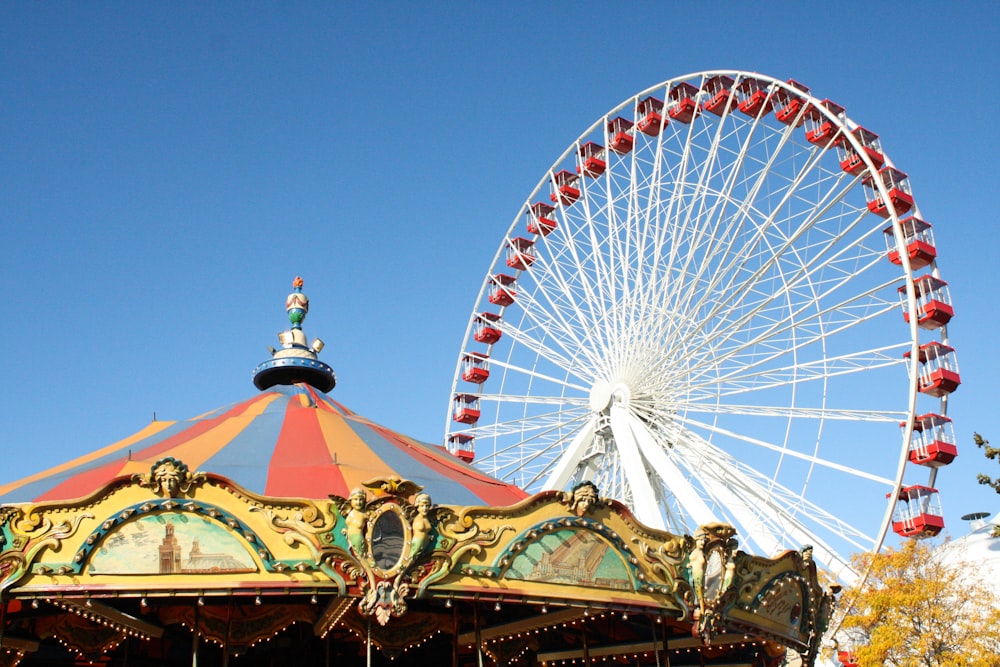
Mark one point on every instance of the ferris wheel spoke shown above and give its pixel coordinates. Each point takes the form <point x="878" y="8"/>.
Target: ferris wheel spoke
<point x="806" y="371"/>
<point x="764" y="349"/>
<point x="580" y="258"/>
<point x="784" y="451"/>
<point x="771" y="525"/>
<point x="792" y="412"/>
<point x="571" y="297"/>
<point x="784" y="240"/>
<point x="571" y="367"/>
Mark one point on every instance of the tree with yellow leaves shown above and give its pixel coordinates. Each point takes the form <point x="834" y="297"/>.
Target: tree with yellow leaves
<point x="921" y="607"/>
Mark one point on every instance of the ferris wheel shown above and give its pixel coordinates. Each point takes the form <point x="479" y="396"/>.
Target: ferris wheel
<point x="720" y="303"/>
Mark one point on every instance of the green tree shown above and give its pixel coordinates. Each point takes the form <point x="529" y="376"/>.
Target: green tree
<point x="921" y="608"/>
<point x="994" y="483"/>
<point x="991" y="453"/>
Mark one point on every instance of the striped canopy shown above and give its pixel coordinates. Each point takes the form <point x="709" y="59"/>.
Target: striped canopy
<point x="288" y="441"/>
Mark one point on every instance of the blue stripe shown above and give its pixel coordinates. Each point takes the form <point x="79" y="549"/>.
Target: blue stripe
<point x="247" y="457"/>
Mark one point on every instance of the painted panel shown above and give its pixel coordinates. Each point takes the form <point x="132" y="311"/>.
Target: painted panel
<point x="171" y="543"/>
<point x="579" y="558"/>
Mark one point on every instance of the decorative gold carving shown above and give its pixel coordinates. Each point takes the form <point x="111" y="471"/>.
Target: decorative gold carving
<point x="711" y="567"/>
<point x="32" y="533"/>
<point x="583" y="498"/>
<point x="169" y="478"/>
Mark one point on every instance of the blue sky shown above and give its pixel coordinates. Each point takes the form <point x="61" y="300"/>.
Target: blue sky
<point x="169" y="168"/>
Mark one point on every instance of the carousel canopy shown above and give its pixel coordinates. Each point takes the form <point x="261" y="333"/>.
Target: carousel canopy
<point x="287" y="441"/>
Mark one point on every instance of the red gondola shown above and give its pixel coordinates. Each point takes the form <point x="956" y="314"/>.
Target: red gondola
<point x="592" y="160"/>
<point x="791" y="108"/>
<point x="719" y="90"/>
<point x="934" y="308"/>
<point x="933" y="441"/>
<point x="540" y="218"/>
<point x="681" y="102"/>
<point x="918" y="512"/>
<point x="919" y="242"/>
<point x="486" y="328"/>
<point x="938" y="373"/>
<point x="897" y="184"/>
<point x="620" y="133"/>
<point x="465" y="409"/>
<point x="518" y="253"/>
<point x="753" y="97"/>
<point x="462" y="445"/>
<point x="820" y="129"/>
<point x="564" y="185"/>
<point x="502" y="291"/>
<point x="852" y="161"/>
<point x="650" y="113"/>
<point x="475" y="367"/>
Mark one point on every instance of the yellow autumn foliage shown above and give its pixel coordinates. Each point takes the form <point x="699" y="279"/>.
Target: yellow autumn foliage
<point x="921" y="608"/>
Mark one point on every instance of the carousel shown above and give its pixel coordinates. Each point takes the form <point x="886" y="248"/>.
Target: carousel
<point x="286" y="529"/>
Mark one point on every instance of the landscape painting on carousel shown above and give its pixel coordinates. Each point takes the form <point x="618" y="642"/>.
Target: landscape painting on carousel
<point x="171" y="543"/>
<point x="571" y="557"/>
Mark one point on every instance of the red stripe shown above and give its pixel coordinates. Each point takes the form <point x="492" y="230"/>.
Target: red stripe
<point x="301" y="466"/>
<point x="84" y="483"/>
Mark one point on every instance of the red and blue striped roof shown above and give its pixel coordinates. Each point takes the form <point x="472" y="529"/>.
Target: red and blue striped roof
<point x="289" y="441"/>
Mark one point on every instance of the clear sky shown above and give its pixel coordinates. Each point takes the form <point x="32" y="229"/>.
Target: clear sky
<point x="168" y="168"/>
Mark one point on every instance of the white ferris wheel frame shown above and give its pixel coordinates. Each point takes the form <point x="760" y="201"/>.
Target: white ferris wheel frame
<point x="737" y="485"/>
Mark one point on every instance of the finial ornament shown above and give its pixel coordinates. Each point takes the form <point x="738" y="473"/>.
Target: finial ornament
<point x="297" y="304"/>
<point x="296" y="361"/>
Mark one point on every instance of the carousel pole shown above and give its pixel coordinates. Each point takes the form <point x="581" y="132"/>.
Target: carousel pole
<point x="656" y="650"/>
<point x="3" y="617"/>
<point x="369" y="641"/>
<point x="666" y="645"/>
<point x="479" y="634"/>
<point x="454" y="644"/>
<point x="194" y="637"/>
<point x="586" y="647"/>
<point x="229" y="630"/>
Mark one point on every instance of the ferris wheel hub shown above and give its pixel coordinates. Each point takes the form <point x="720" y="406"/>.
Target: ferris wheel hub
<point x="604" y="394"/>
<point x="600" y="396"/>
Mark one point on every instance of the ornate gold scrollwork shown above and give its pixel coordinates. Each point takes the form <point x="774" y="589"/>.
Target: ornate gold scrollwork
<point x="711" y="569"/>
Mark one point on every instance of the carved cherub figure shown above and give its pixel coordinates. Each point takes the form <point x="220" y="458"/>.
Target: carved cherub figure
<point x="422" y="527"/>
<point x="696" y="565"/>
<point x="355" y="521"/>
